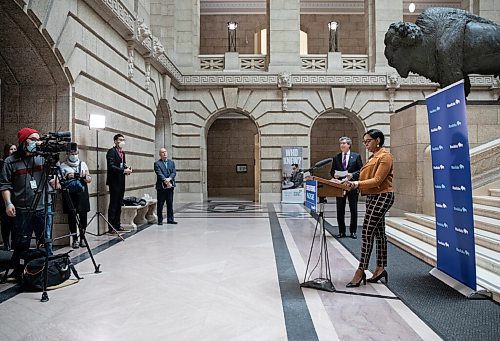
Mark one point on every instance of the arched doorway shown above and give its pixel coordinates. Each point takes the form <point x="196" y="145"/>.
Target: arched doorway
<point x="163" y="128"/>
<point x="325" y="133"/>
<point x="34" y="88"/>
<point x="232" y="145"/>
<point x="35" y="91"/>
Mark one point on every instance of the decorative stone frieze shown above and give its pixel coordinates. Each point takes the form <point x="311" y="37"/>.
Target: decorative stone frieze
<point x="121" y="12"/>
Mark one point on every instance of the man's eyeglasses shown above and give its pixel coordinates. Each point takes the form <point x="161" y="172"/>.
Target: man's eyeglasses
<point x="367" y="141"/>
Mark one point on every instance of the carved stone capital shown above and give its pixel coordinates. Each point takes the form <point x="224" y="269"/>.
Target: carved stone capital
<point x="158" y="48"/>
<point x="142" y="30"/>
<point x="393" y="81"/>
<point x="285" y="80"/>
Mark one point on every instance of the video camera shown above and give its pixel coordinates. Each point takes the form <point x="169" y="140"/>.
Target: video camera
<point x="56" y="142"/>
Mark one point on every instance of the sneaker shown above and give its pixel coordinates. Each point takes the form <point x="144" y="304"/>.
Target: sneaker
<point x="82" y="243"/>
<point x="75" y="244"/>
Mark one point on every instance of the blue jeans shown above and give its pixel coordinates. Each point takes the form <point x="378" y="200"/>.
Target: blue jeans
<point x="25" y="224"/>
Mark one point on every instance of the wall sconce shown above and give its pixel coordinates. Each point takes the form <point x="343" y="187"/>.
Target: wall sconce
<point x="332" y="36"/>
<point x="231" y="35"/>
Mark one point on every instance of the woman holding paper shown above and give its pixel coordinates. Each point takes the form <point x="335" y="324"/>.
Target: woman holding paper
<point x="375" y="181"/>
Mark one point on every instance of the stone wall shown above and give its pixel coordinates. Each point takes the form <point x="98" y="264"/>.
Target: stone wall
<point x="410" y="140"/>
<point x="324" y="141"/>
<point x="231" y="142"/>
<point x="351" y="33"/>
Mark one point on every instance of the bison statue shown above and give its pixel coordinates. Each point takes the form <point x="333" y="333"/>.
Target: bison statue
<point x="444" y="45"/>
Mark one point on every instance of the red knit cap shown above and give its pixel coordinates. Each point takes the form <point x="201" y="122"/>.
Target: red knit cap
<point x="24" y="133"/>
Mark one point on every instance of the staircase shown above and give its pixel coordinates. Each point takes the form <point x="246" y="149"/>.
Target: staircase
<point x="416" y="233"/>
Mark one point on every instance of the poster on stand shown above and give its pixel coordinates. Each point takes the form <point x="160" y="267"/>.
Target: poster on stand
<point x="292" y="189"/>
<point x="452" y="184"/>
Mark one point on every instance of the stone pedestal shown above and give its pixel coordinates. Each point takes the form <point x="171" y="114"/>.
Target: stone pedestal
<point x="151" y="216"/>
<point x="231" y="61"/>
<point x="334" y="62"/>
<point x="127" y="217"/>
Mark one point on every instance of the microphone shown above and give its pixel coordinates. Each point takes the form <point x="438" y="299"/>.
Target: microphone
<point x="323" y="162"/>
<point x="318" y="164"/>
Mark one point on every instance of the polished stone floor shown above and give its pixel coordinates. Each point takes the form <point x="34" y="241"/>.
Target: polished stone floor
<point x="227" y="271"/>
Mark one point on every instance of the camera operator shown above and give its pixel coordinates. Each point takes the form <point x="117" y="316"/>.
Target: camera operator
<point x="20" y="178"/>
<point x="76" y="177"/>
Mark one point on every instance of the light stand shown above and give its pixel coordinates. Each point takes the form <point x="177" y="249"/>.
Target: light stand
<point x="99" y="122"/>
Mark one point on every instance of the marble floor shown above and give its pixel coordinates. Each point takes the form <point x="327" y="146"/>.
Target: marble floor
<point x="227" y="271"/>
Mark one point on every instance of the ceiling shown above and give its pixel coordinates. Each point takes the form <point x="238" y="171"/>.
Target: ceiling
<point x="224" y="7"/>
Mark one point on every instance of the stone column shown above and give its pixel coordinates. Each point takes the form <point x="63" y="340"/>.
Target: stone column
<point x="177" y="24"/>
<point x="284" y="35"/>
<point x="380" y="15"/>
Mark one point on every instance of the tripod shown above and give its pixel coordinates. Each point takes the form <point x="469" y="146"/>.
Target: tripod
<point x="98" y="213"/>
<point x="324" y="281"/>
<point x="49" y="171"/>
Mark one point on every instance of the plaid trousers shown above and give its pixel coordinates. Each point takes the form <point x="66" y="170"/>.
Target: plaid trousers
<point x="377" y="206"/>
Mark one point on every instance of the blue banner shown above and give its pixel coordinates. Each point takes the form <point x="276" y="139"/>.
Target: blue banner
<point x="452" y="184"/>
<point x="311" y="195"/>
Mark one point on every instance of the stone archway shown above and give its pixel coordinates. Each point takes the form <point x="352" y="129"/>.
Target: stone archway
<point x="232" y="143"/>
<point x="325" y="133"/>
<point x="35" y="90"/>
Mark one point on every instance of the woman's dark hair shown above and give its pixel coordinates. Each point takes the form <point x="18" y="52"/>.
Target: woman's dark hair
<point x="6" y="150"/>
<point x="376" y="134"/>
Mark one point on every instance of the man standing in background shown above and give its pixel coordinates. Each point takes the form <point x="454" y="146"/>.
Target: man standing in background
<point x="346" y="165"/>
<point x="115" y="179"/>
<point x="165" y="184"/>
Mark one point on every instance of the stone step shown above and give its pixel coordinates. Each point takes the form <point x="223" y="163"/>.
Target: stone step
<point x="483" y="237"/>
<point x="487" y="200"/>
<point x="486" y="258"/>
<point x="426" y="252"/>
<point x="495" y="192"/>
<point x="487" y="211"/>
<point x="480" y="222"/>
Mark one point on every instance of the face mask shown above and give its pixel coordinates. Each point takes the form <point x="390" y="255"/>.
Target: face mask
<point x="31" y="147"/>
<point x="121" y="144"/>
<point x="73" y="158"/>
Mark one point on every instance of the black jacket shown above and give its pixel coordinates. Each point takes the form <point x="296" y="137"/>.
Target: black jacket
<point x="114" y="172"/>
<point x="353" y="165"/>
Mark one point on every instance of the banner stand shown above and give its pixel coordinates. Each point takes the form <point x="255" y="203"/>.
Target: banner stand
<point x="481" y="294"/>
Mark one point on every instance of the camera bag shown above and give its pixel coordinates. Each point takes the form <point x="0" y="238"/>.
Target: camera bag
<point x="59" y="270"/>
<point x="75" y="185"/>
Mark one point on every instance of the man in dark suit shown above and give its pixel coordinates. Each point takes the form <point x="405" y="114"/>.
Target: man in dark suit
<point x="115" y="179"/>
<point x="165" y="184"/>
<point x="296" y="177"/>
<point x="350" y="162"/>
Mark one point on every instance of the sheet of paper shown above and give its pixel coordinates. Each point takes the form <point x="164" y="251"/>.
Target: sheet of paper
<point x="341" y="174"/>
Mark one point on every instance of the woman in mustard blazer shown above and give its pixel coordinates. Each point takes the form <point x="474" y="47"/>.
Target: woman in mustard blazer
<point x="375" y="181"/>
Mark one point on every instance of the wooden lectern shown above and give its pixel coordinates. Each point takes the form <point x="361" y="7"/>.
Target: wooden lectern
<point x="326" y="188"/>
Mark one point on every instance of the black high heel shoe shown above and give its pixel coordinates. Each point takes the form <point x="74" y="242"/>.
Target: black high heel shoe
<point x="355" y="285"/>
<point x="379" y="277"/>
